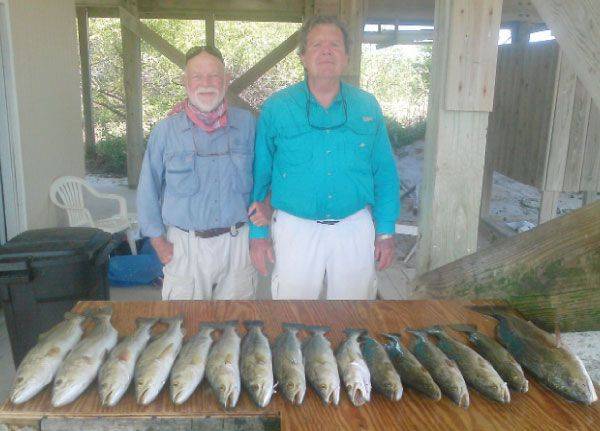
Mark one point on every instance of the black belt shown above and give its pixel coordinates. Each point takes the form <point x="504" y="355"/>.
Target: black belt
<point x="211" y="233"/>
<point x="328" y="222"/>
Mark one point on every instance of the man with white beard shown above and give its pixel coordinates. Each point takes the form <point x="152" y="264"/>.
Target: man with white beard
<point x="195" y="185"/>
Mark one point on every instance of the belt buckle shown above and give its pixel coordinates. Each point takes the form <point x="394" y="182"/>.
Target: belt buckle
<point x="233" y="231"/>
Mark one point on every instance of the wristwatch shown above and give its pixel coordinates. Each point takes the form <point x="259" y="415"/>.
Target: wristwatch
<point x="384" y="236"/>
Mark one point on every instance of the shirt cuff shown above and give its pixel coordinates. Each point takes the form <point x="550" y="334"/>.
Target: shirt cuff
<point x="259" y="232"/>
<point x="154" y="231"/>
<point x="386" y="227"/>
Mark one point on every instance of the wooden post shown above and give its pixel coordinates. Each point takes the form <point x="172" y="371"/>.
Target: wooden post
<point x="590" y="197"/>
<point x="548" y="206"/>
<point x="132" y="80"/>
<point x="210" y="31"/>
<point x="86" y="84"/>
<point x="326" y="7"/>
<point x="463" y="74"/>
<point x="352" y="12"/>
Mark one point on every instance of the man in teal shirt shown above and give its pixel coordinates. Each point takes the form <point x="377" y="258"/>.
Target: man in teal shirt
<point x="323" y="152"/>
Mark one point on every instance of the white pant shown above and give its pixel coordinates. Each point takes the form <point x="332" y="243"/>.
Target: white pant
<point x="306" y="252"/>
<point x="209" y="268"/>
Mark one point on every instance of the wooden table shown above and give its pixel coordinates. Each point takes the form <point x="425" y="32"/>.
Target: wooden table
<point x="537" y="409"/>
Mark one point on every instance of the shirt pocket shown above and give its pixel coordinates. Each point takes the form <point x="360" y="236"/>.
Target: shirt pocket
<point x="241" y="156"/>
<point x="360" y="144"/>
<point x="294" y="149"/>
<point x="180" y="176"/>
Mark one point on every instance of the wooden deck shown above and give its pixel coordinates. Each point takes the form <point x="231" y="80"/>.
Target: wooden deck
<point x="537" y="409"/>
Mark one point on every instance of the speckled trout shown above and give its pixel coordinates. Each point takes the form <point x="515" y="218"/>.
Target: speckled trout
<point x="384" y="377"/>
<point x="256" y="364"/>
<point x="223" y="365"/>
<point x="412" y="373"/>
<point x="81" y="365"/>
<point x="188" y="370"/>
<point x="320" y="365"/>
<point x="154" y="365"/>
<point x="41" y="363"/>
<point x="444" y="371"/>
<point x="353" y="368"/>
<point x="116" y="373"/>
<point x="288" y="365"/>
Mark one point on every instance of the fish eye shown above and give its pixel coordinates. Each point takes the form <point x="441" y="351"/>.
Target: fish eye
<point x="322" y="386"/>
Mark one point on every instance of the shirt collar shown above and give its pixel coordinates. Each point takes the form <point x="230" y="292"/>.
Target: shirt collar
<point x="185" y="124"/>
<point x="306" y="93"/>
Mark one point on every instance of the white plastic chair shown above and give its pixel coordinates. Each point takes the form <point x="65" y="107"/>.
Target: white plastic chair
<point x="67" y="193"/>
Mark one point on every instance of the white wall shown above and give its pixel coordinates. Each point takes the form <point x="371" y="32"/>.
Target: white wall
<point x="43" y="36"/>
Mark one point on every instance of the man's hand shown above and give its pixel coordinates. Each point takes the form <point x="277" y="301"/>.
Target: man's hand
<point x="260" y="213"/>
<point x="163" y="248"/>
<point x="260" y="250"/>
<point x="385" y="250"/>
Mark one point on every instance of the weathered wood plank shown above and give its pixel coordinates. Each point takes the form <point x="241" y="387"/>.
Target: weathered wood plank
<point x="210" y="30"/>
<point x="473" y="48"/>
<point x="548" y="206"/>
<point x="576" y="26"/>
<point x="577" y="139"/>
<point x="537" y="409"/>
<point x="86" y="82"/>
<point x="454" y="156"/>
<point x="266" y="63"/>
<point x="551" y="273"/>
<point x="352" y="12"/>
<point x="105" y="424"/>
<point x="590" y="172"/>
<point x="132" y="81"/>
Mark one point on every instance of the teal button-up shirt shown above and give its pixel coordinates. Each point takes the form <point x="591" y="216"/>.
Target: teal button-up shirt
<point x="322" y="163"/>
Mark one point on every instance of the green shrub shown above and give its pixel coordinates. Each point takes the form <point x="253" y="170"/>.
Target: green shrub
<point x="110" y="157"/>
<point x="401" y="135"/>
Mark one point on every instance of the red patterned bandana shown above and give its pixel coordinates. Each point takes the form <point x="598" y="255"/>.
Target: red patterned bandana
<point x="207" y="121"/>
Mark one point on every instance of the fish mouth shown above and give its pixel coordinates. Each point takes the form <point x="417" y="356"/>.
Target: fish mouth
<point x="358" y="393"/>
<point x="330" y="394"/>
<point x="294" y="392"/>
<point x="180" y="396"/>
<point x="262" y="394"/>
<point x="145" y="397"/>
<point x="523" y="387"/>
<point x="20" y="395"/>
<point x="505" y="395"/>
<point x="463" y="400"/>
<point x="228" y="396"/>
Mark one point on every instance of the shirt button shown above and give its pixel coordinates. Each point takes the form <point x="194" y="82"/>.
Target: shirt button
<point x="362" y="145"/>
<point x="329" y="174"/>
<point x="329" y="196"/>
<point x="327" y="151"/>
<point x="284" y="175"/>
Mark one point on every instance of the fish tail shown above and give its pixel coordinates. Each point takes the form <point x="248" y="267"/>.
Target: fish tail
<point x="316" y="329"/>
<point x="146" y="321"/>
<point x="220" y="325"/>
<point x="463" y="327"/>
<point x="419" y="333"/>
<point x="294" y="327"/>
<point x="253" y="324"/>
<point x="98" y="313"/>
<point x="173" y="320"/>
<point x="434" y="330"/>
<point x="495" y="311"/>
<point x="394" y="338"/>
<point x="359" y="332"/>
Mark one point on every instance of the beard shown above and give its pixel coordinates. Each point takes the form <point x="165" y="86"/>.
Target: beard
<point x="199" y="100"/>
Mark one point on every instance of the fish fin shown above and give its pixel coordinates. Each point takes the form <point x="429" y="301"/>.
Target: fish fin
<point x="557" y="335"/>
<point x="69" y="315"/>
<point x="463" y="327"/>
<point x="221" y="325"/>
<point x="393" y="338"/>
<point x="150" y="321"/>
<point x="495" y="311"/>
<point x="316" y="329"/>
<point x="295" y="327"/>
<point x="173" y="320"/>
<point x="166" y="351"/>
<point x="352" y="331"/>
<point x="253" y="324"/>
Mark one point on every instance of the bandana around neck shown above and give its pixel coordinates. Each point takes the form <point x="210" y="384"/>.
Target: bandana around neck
<point x="207" y="121"/>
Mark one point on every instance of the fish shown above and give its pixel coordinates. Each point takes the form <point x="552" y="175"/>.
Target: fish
<point x="256" y="364"/>
<point x="542" y="355"/>
<point x="444" y="371"/>
<point x="320" y="365"/>
<point x="189" y="367"/>
<point x="81" y="365"/>
<point x="500" y="358"/>
<point x="353" y="368"/>
<point x="155" y="362"/>
<point x="223" y="365"/>
<point x="38" y="368"/>
<point x="116" y="373"/>
<point x="288" y="365"/>
<point x="384" y="377"/>
<point x="412" y="373"/>
<point x="476" y="371"/>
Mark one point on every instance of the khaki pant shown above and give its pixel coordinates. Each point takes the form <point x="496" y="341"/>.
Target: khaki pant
<point x="209" y="268"/>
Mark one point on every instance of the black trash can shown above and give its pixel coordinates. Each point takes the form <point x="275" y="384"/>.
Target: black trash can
<point x="44" y="272"/>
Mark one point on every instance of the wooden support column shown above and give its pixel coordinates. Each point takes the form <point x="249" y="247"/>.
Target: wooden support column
<point x="463" y="75"/>
<point x="210" y="31"/>
<point x="590" y="197"/>
<point x="86" y="83"/>
<point x="132" y="80"/>
<point x="548" y="206"/>
<point x="326" y="7"/>
<point x="352" y="12"/>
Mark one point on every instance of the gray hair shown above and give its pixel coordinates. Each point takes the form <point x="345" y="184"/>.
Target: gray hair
<point x="322" y="20"/>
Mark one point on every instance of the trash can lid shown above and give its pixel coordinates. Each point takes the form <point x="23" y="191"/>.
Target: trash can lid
<point x="55" y="242"/>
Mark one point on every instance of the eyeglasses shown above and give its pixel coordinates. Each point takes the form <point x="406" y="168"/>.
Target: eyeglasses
<point x="337" y="126"/>
<point x="195" y="50"/>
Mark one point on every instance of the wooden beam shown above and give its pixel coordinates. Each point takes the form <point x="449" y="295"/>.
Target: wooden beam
<point x="210" y="31"/>
<point x="132" y="80"/>
<point x="455" y="149"/>
<point x="576" y="26"/>
<point x="86" y="82"/>
<point x="352" y="12"/>
<point x="266" y="63"/>
<point x="550" y="274"/>
<point x="403" y="37"/>
<point x="135" y="26"/>
<point x="327" y="7"/>
<point x="548" y="206"/>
